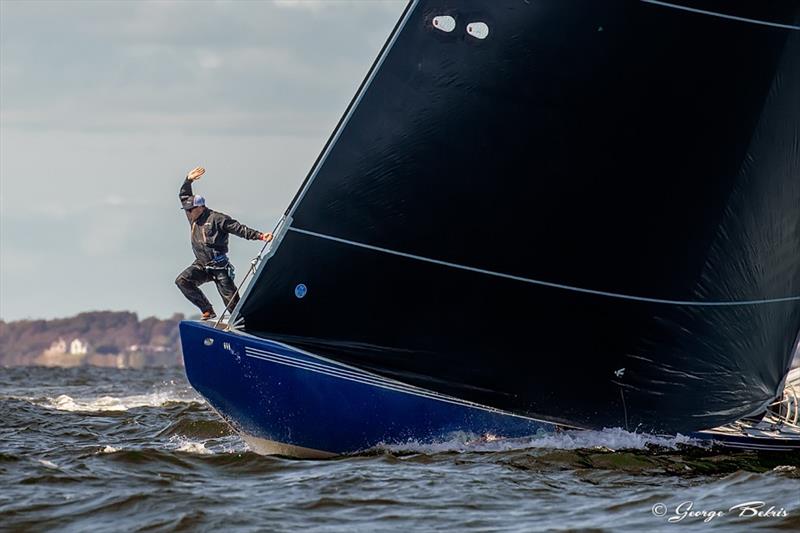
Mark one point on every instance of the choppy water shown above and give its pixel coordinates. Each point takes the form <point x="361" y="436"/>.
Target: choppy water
<point x="122" y="450"/>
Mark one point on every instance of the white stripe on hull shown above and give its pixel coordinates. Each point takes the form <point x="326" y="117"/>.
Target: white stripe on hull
<point x="377" y="381"/>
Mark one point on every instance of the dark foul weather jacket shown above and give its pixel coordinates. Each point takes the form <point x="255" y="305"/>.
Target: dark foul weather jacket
<point x="210" y="230"/>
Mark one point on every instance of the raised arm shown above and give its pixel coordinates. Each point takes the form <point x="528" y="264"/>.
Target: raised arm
<point x="186" y="188"/>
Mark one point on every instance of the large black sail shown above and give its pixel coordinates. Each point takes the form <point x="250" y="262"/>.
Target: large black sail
<point x="589" y="215"/>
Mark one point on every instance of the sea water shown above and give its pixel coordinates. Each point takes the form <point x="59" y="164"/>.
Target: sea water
<point x="88" y="449"/>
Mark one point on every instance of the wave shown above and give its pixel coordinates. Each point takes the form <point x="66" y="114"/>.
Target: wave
<point x="228" y="445"/>
<point x="96" y="404"/>
<point x="108" y="449"/>
<point x="192" y="427"/>
<point x="609" y="439"/>
<point x="48" y="464"/>
<point x="182" y="444"/>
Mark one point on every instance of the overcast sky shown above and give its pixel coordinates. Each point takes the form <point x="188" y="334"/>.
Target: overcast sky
<point x="104" y="107"/>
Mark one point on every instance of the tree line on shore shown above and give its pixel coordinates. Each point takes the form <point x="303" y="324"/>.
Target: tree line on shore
<point x="100" y="338"/>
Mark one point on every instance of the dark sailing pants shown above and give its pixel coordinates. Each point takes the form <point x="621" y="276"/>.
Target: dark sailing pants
<point x="196" y="274"/>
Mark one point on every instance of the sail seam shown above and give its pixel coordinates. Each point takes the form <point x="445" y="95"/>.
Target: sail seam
<point x="722" y="15"/>
<point x="541" y="282"/>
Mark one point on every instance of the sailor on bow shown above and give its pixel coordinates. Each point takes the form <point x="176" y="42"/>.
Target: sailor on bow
<point x="209" y="234"/>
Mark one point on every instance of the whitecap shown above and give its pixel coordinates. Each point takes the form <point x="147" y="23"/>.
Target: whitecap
<point x="48" y="464"/>
<point x="182" y="444"/>
<point x="65" y="402"/>
<point x="609" y="439"/>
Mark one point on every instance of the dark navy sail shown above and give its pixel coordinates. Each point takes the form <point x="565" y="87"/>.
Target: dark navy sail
<point x="589" y="213"/>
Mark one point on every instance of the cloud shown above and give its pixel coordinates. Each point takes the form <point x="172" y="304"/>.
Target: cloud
<point x="143" y="66"/>
<point x="116" y="200"/>
<point x="209" y="60"/>
<point x="305" y="5"/>
<point x="104" y="106"/>
<point x="315" y="6"/>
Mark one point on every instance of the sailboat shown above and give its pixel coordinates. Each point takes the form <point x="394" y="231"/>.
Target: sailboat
<point x="534" y="214"/>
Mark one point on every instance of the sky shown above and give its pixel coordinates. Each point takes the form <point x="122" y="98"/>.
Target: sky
<point x="104" y="108"/>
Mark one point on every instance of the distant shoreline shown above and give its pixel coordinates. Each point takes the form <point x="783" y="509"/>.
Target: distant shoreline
<point x="116" y="339"/>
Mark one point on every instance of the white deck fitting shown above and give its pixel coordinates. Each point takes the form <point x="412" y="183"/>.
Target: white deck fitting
<point x="444" y="23"/>
<point x="479" y="30"/>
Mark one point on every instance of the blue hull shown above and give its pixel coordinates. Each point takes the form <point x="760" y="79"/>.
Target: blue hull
<point x="283" y="400"/>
